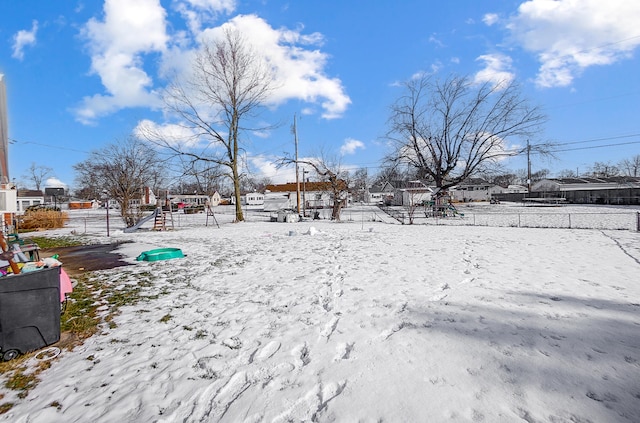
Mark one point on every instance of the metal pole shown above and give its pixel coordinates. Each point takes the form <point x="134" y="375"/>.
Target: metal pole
<point x="107" y="217"/>
<point x="304" y="192"/>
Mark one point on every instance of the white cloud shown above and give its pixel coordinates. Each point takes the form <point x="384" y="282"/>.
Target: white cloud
<point x="497" y="70"/>
<point x="350" y="146"/>
<point x="570" y="35"/>
<point x="299" y="71"/>
<point x="22" y="39"/>
<point x="55" y="183"/>
<point x="117" y="45"/>
<point x="490" y="19"/>
<point x="171" y="134"/>
<point x="199" y="12"/>
<point x="266" y="167"/>
<point x="131" y="32"/>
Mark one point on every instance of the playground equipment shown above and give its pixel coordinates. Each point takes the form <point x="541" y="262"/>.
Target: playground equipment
<point x="159" y="221"/>
<point x="441" y="206"/>
<point x="212" y="214"/>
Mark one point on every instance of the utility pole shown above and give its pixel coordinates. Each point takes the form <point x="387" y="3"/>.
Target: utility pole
<point x="295" y="137"/>
<point x="304" y="192"/>
<point x="528" y="167"/>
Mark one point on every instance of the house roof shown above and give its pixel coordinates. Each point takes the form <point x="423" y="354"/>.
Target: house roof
<point x="577" y="184"/>
<point x="307" y="186"/>
<point x="415" y="184"/>
<point x="29" y="193"/>
<point x="588" y="180"/>
<point x="474" y="182"/>
<point x="382" y="187"/>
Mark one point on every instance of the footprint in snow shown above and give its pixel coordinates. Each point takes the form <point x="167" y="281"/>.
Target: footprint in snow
<point x="234" y="343"/>
<point x="344" y="351"/>
<point x="330" y="327"/>
<point x="267" y="351"/>
<point x="301" y="352"/>
<point x="438" y="297"/>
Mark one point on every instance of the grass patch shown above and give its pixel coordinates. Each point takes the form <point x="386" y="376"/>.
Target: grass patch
<point x="22" y="382"/>
<point x="58" y="242"/>
<point x="84" y="316"/>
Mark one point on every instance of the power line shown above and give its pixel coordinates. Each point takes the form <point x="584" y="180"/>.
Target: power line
<point x="596" y="146"/>
<point x="599" y="139"/>
<point x="13" y="141"/>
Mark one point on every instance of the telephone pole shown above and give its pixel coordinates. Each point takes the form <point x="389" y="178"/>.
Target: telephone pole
<point x="295" y="137"/>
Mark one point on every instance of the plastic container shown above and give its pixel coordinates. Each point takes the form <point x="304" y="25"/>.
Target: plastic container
<point x="29" y="311"/>
<point x="160" y="254"/>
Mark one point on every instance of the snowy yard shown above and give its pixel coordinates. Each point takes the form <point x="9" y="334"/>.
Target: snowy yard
<point x="361" y="321"/>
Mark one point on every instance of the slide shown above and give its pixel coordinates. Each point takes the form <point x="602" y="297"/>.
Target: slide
<point x="142" y="221"/>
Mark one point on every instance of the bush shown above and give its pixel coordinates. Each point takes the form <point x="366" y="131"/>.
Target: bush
<point x="42" y="219"/>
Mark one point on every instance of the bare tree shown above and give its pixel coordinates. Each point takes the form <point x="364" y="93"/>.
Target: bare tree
<point x="567" y="173"/>
<point x="38" y="174"/>
<point x="332" y="172"/>
<point x="630" y="166"/>
<point x="202" y="177"/>
<point x="120" y="170"/>
<point x="389" y="173"/>
<point x="448" y="130"/>
<point x="227" y="84"/>
<point x="604" y="170"/>
<point x="360" y="182"/>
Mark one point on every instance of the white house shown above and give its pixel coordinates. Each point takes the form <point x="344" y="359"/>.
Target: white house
<point x="254" y="199"/>
<point x="215" y="199"/>
<point x="410" y="193"/>
<point x="473" y="189"/>
<point x="26" y="198"/>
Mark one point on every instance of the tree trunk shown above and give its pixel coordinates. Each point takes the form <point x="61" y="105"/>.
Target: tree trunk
<point x="234" y="168"/>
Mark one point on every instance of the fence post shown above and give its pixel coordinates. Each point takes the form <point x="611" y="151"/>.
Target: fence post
<point x="569" y="220"/>
<point x="637" y="221"/>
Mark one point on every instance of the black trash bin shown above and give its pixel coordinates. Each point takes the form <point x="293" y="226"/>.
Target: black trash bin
<point x="29" y="311"/>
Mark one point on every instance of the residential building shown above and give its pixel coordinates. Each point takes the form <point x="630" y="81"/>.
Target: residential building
<point x="381" y="193"/>
<point x="612" y="190"/>
<point x="473" y="189"/>
<point x="27" y="198"/>
<point x="313" y="195"/>
<point x="410" y="193"/>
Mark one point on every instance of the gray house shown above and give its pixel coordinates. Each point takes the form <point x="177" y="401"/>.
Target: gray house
<point x="612" y="190"/>
<point x="381" y="193"/>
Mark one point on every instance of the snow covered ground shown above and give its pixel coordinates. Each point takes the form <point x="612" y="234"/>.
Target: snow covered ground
<point x="360" y="321"/>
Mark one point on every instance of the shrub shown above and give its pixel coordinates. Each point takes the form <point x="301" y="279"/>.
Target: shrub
<point x="42" y="219"/>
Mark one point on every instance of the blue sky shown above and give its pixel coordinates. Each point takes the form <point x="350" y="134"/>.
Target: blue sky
<point x="82" y="74"/>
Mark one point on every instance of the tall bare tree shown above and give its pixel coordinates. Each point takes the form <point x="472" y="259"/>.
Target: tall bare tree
<point x="120" y="170"/>
<point x="38" y="174"/>
<point x="449" y="129"/>
<point x="630" y="166"/>
<point x="227" y="84"/>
